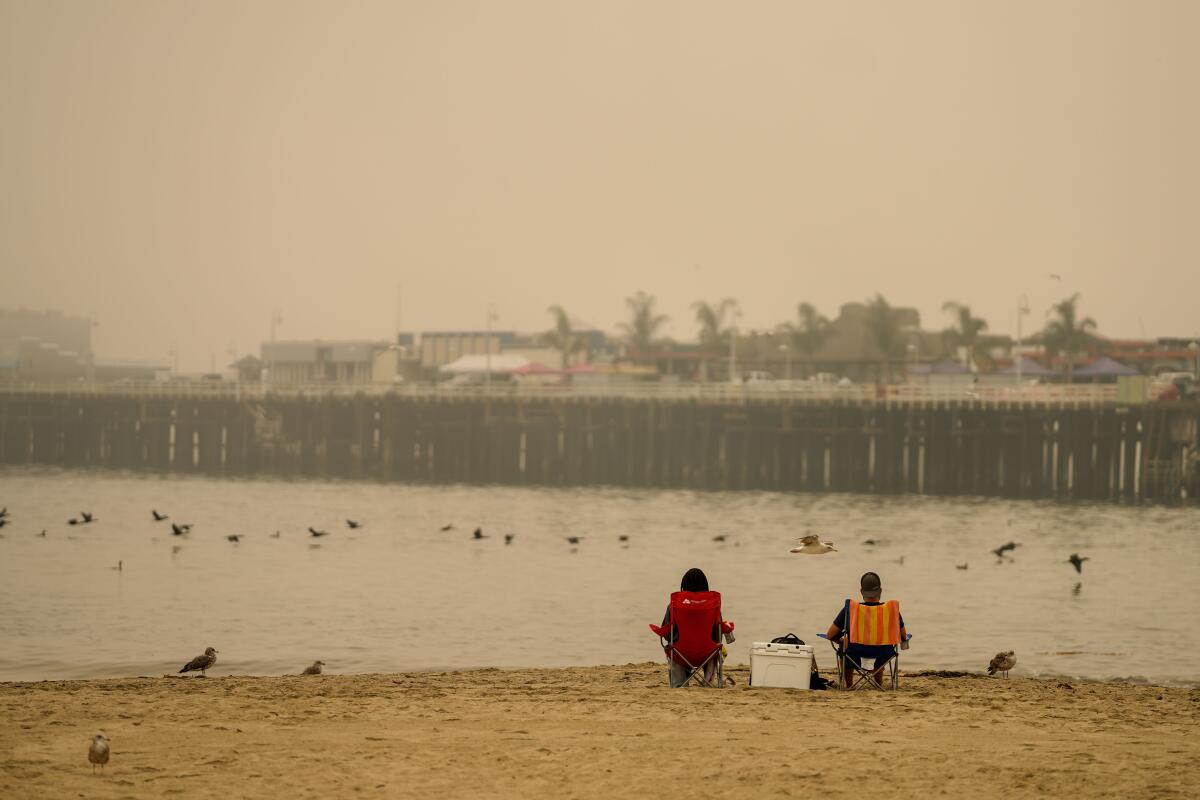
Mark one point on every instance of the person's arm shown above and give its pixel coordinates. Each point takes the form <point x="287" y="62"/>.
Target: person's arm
<point x="834" y="632"/>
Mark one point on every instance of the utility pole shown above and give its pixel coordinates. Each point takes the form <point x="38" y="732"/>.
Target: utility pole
<point x="487" y="350"/>
<point x="276" y="319"/>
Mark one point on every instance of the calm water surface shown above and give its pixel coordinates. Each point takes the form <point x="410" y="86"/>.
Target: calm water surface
<point x="400" y="594"/>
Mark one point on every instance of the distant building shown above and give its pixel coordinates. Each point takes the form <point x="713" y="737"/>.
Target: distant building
<point x="248" y="369"/>
<point x="295" y="363"/>
<point x="44" y="346"/>
<point x="129" y="370"/>
<point x="438" y="348"/>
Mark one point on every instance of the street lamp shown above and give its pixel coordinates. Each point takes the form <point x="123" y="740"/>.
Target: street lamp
<point x="1022" y="309"/>
<point x="733" y="347"/>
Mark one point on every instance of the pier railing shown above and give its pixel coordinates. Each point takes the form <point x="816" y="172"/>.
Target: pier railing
<point x="919" y="395"/>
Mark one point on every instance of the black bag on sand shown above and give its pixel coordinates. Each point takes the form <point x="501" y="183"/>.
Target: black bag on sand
<point x="815" y="680"/>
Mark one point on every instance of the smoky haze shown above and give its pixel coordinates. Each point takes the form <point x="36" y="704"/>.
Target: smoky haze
<point x="179" y="169"/>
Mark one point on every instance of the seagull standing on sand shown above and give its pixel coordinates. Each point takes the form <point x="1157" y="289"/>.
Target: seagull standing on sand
<point x="314" y="668"/>
<point x="201" y="663"/>
<point x="98" y="751"/>
<point x="1003" y="662"/>
<point x="1077" y="562"/>
<point x="812" y="545"/>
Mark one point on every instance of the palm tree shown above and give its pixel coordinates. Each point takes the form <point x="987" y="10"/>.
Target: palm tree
<point x="810" y="331"/>
<point x="883" y="326"/>
<point x="965" y="331"/>
<point x="561" y="337"/>
<point x="715" y="336"/>
<point x="643" y="326"/>
<point x="1067" y="334"/>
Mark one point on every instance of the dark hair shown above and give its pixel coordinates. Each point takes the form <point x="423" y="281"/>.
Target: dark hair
<point x="869" y="582"/>
<point x="694" y="580"/>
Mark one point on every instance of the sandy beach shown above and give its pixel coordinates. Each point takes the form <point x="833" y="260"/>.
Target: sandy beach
<point x="592" y="732"/>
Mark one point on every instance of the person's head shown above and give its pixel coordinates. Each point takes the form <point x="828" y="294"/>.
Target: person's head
<point x="870" y="586"/>
<point x="694" y="580"/>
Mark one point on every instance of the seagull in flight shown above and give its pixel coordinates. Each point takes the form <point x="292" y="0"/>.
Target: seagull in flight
<point x="812" y="545"/>
<point x="352" y="524"/>
<point x="1077" y="562"/>
<point x="157" y="516"/>
<point x="449" y="526"/>
<point x="478" y="534"/>
<point x="316" y="532"/>
<point x="178" y="530"/>
<point x="1004" y="548"/>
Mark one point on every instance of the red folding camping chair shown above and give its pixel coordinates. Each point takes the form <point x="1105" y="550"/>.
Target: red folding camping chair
<point x="691" y="635"/>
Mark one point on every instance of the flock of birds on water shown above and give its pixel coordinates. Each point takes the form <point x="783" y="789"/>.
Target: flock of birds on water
<point x="811" y="544"/>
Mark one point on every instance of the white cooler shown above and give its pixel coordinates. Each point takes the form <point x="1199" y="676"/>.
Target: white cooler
<point x="787" y="666"/>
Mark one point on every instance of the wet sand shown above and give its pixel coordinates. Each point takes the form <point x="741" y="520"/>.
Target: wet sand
<point x="593" y="732"/>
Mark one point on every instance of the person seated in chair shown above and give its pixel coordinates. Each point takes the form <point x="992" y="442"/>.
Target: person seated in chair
<point x="871" y="590"/>
<point x="694" y="580"/>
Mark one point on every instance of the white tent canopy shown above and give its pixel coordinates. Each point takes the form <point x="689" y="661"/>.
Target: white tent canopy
<point x="500" y="364"/>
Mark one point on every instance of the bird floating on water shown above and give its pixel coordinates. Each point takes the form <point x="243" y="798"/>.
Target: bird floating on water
<point x="508" y="537"/>
<point x="98" y="751"/>
<point x="1003" y="662"/>
<point x="42" y="534"/>
<point x="870" y="542"/>
<point x="314" y="668"/>
<point x="449" y="526"/>
<point x="624" y="537"/>
<point x="1076" y="561"/>
<point x="275" y="535"/>
<point x="573" y="539"/>
<point x="157" y="516"/>
<point x="119" y="567"/>
<point x="234" y="537"/>
<point x="352" y="524"/>
<point x="202" y="662"/>
<point x="812" y="545"/>
<point x="316" y="532"/>
<point x="479" y="534"/>
<point x="961" y="566"/>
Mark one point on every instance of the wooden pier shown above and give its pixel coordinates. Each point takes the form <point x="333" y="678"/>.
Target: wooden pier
<point x="1098" y="452"/>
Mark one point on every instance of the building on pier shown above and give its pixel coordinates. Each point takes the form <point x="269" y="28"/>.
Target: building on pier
<point x="298" y="363"/>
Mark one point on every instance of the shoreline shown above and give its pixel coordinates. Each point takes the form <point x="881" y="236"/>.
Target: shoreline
<point x="593" y="731"/>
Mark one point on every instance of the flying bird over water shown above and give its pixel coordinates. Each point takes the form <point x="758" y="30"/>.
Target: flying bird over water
<point x="352" y="524"/>
<point x="314" y="668"/>
<point x="177" y="530"/>
<point x="1003" y="662"/>
<point x="1004" y="548"/>
<point x="812" y="545"/>
<point x="316" y="532"/>
<point x="1077" y="561"/>
<point x="98" y="751"/>
<point x="4" y="521"/>
<point x="201" y="663"/>
<point x="86" y="517"/>
<point x="157" y="516"/>
<point x="4" y="511"/>
<point x="448" y="526"/>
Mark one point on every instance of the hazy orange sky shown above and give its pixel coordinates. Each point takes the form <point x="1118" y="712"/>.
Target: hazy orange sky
<point x="179" y="168"/>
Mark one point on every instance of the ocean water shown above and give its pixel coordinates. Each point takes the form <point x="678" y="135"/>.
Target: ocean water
<point x="401" y="594"/>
